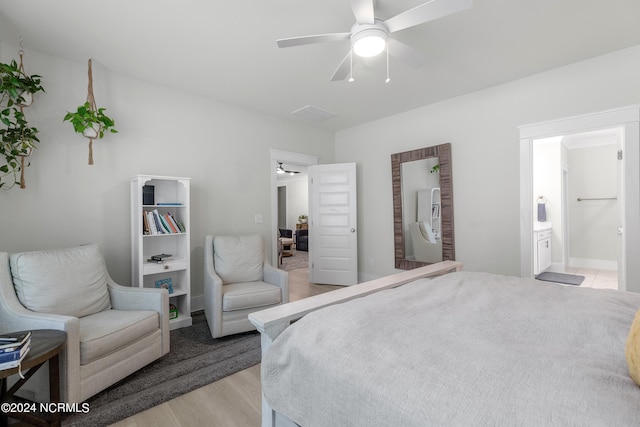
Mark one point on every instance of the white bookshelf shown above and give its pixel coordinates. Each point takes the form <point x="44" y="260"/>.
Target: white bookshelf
<point x="171" y="196"/>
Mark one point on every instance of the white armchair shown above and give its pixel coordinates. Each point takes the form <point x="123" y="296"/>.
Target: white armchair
<point x="112" y="330"/>
<point x="239" y="280"/>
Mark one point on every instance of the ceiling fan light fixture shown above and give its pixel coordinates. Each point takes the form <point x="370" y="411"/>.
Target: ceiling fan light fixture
<point x="369" y="42"/>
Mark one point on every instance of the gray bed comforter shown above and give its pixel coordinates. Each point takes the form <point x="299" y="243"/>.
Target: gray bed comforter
<point x="464" y="349"/>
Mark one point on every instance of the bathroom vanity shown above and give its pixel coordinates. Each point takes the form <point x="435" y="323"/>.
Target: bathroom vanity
<point x="541" y="247"/>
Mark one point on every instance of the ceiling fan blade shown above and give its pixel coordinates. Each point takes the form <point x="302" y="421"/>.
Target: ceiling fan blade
<point x="363" y="11"/>
<point x="343" y="69"/>
<point x="406" y="54"/>
<point x="426" y="12"/>
<point x="318" y="38"/>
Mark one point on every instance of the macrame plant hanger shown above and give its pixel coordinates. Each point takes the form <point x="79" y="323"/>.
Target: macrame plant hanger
<point x="92" y="106"/>
<point x="21" y="106"/>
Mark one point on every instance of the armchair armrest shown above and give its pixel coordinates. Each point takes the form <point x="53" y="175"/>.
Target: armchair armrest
<point x="277" y="277"/>
<point x="212" y="290"/>
<point x="130" y="298"/>
<point x="15" y="317"/>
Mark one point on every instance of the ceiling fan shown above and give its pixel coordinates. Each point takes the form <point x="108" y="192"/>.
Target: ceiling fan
<point x="280" y="169"/>
<point x="370" y="36"/>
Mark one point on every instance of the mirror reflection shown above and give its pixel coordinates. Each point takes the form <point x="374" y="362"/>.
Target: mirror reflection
<point x="421" y="210"/>
<point x="422" y="206"/>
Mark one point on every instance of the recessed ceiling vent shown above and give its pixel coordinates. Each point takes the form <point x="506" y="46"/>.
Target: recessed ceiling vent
<point x="313" y="113"/>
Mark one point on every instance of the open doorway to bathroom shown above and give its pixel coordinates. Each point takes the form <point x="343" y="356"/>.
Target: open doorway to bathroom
<point x="627" y="119"/>
<point x="576" y="182"/>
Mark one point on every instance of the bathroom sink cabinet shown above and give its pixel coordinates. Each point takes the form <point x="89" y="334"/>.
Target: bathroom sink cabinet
<point x="541" y="250"/>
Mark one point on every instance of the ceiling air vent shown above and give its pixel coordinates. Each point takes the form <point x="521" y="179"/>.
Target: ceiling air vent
<point x="313" y="113"/>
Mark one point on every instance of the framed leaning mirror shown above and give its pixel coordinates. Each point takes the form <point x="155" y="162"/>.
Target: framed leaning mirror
<point x="422" y="206"/>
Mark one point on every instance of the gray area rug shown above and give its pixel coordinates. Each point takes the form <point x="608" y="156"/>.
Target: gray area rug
<point x="567" y="279"/>
<point x="195" y="360"/>
<point x="300" y="259"/>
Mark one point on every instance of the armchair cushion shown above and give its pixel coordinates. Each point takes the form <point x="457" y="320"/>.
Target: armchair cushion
<point x="238" y="258"/>
<point x="70" y="281"/>
<point x="238" y="296"/>
<point x="110" y="330"/>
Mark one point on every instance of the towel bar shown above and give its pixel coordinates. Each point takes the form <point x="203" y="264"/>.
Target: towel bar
<point x="580" y="199"/>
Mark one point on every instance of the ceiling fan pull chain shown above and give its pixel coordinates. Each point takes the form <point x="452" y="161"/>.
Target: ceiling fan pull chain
<point x="351" y="64"/>
<point x="388" y="77"/>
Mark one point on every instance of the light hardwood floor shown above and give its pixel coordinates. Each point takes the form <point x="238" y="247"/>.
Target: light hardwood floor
<point x="233" y="401"/>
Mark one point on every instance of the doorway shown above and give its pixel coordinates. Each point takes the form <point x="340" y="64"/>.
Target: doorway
<point x="627" y="120"/>
<point x="577" y="177"/>
<point x="293" y="161"/>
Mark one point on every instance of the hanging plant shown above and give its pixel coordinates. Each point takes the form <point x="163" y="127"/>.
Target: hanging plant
<point x="16" y="142"/>
<point x="89" y="120"/>
<point x="17" y="138"/>
<point x="17" y="88"/>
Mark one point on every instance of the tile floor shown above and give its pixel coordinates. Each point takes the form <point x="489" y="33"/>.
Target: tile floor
<point x="593" y="278"/>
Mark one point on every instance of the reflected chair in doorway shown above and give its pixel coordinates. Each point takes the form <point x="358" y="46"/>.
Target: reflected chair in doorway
<point x="239" y="280"/>
<point x="286" y="240"/>
<point x="302" y="240"/>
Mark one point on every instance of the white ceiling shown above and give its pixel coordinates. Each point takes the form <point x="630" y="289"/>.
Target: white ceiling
<point x="226" y="49"/>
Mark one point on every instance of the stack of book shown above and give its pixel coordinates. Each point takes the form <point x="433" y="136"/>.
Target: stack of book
<point x="14" y="348"/>
<point x="160" y="258"/>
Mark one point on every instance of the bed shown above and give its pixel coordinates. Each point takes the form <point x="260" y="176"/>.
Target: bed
<point x="454" y="349"/>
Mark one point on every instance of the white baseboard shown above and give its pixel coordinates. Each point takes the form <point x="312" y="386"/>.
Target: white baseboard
<point x="598" y="264"/>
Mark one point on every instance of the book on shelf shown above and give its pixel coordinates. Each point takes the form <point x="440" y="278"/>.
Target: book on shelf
<point x="13" y="340"/>
<point x="179" y="224"/>
<point x="165" y="284"/>
<point x="173" y="311"/>
<point x="159" y="223"/>
<point x="161" y="257"/>
<point x="145" y="224"/>
<point x="170" y="223"/>
<point x="154" y="223"/>
<point x="169" y="204"/>
<point x="16" y="353"/>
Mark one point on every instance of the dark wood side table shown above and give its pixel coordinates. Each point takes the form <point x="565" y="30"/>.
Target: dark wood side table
<point x="46" y="345"/>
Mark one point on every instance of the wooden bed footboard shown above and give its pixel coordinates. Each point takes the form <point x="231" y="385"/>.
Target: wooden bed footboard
<point x="273" y="321"/>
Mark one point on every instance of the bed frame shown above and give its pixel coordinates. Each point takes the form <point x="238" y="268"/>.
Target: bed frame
<point x="273" y="321"/>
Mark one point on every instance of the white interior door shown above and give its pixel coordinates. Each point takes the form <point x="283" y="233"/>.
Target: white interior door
<point x="333" y="237"/>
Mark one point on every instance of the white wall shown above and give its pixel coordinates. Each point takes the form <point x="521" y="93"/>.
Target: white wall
<point x="224" y="149"/>
<point x="482" y="128"/>
<point x="593" y="223"/>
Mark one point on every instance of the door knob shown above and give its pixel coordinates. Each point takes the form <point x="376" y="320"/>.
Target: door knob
<point x="353" y="230"/>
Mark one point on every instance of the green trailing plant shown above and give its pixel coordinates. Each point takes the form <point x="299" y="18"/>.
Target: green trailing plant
<point x="17" y="137"/>
<point x="15" y="84"/>
<point x="85" y="119"/>
<point x="89" y="120"/>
